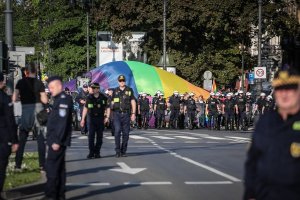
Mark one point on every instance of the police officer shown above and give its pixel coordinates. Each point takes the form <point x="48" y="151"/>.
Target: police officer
<point x="8" y="131"/>
<point x="249" y="108"/>
<point x="124" y="110"/>
<point x="143" y="110"/>
<point x="190" y="110"/>
<point x="81" y="99"/>
<point x="160" y="108"/>
<point x="270" y="105"/>
<point x="240" y="108"/>
<point x="174" y="105"/>
<point x="153" y="103"/>
<point x="273" y="160"/>
<point x="261" y="103"/>
<point x="228" y="111"/>
<point x="212" y="111"/>
<point x="94" y="109"/>
<point x="59" y="129"/>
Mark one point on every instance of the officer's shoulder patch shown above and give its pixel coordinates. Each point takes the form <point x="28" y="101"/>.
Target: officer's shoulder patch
<point x="296" y="126"/>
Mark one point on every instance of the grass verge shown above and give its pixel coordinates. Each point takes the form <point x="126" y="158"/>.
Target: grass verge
<point x="30" y="171"/>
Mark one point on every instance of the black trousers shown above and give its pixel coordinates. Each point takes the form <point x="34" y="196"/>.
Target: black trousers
<point x="23" y="135"/>
<point x="96" y="127"/>
<point x="56" y="173"/>
<point x="5" y="151"/>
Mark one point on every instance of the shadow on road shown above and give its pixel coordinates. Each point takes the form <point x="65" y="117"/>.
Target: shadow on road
<point x="89" y="170"/>
<point x="102" y="191"/>
<point x="27" y="192"/>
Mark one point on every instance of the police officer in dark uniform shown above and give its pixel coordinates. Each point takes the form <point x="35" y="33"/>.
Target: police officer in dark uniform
<point x="124" y="110"/>
<point x="240" y="108"/>
<point x="160" y="108"/>
<point x="94" y="109"/>
<point x="59" y="130"/>
<point x="143" y="110"/>
<point x="273" y="160"/>
<point x="153" y="103"/>
<point x="249" y="108"/>
<point x="270" y="104"/>
<point x="81" y="99"/>
<point x="190" y="110"/>
<point x="212" y="111"/>
<point x="228" y="110"/>
<point x="8" y="131"/>
<point x="174" y="105"/>
<point x="261" y="103"/>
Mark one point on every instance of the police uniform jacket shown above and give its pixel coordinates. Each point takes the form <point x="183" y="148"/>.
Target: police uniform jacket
<point x="122" y="99"/>
<point x="144" y="104"/>
<point x="272" y="170"/>
<point x="229" y="105"/>
<point x="241" y="103"/>
<point x="175" y="102"/>
<point x="96" y="106"/>
<point x="8" y="127"/>
<point x="191" y="104"/>
<point x="160" y="104"/>
<point x="59" y="125"/>
<point x="212" y="104"/>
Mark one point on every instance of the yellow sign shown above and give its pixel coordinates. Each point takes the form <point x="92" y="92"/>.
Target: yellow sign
<point x="116" y="100"/>
<point x="296" y="126"/>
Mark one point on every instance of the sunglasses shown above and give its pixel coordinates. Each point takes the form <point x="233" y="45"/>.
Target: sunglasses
<point x="121" y="81"/>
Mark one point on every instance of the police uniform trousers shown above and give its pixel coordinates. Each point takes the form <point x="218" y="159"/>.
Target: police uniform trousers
<point x="122" y="128"/>
<point x="5" y="150"/>
<point x="160" y="117"/>
<point x="96" y="127"/>
<point x="56" y="173"/>
<point x="191" y="115"/>
<point x="174" y="116"/>
<point x="145" y="117"/>
<point x="229" y="119"/>
<point x="241" y="117"/>
<point x="213" y="119"/>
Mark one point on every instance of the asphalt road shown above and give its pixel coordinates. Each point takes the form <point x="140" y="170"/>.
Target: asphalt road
<point x="161" y="165"/>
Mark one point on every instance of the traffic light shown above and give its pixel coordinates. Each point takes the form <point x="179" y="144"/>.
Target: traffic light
<point x="3" y="57"/>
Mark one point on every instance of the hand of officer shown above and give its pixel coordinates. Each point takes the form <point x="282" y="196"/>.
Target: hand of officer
<point x="55" y="147"/>
<point x="14" y="148"/>
<point x="106" y="120"/>
<point x="82" y="123"/>
<point x="82" y="101"/>
<point x="132" y="117"/>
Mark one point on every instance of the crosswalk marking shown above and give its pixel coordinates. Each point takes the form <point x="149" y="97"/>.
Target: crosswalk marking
<point x="110" y="137"/>
<point x="239" y="138"/>
<point x="137" y="137"/>
<point x="208" y="182"/>
<point x="163" y="137"/>
<point x="187" y="137"/>
<point x="214" y="138"/>
<point x="148" y="183"/>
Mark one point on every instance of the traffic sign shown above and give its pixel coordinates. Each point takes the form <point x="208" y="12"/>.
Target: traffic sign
<point x="260" y="72"/>
<point x="251" y="78"/>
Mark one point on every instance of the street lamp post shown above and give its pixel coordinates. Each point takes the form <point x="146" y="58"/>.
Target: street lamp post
<point x="164" y="35"/>
<point x="258" y="81"/>
<point x="242" y="48"/>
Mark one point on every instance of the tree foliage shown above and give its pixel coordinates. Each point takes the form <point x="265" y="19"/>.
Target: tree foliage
<point x="201" y="34"/>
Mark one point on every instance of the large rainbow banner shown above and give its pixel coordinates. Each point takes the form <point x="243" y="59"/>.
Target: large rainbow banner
<point x="143" y="78"/>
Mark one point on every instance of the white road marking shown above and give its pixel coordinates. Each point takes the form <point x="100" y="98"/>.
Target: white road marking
<point x="148" y="183"/>
<point x="82" y="137"/>
<point x="110" y="137"/>
<point x="187" y="137"/>
<point x="163" y="137"/>
<point x="208" y="182"/>
<point x="126" y="169"/>
<point x="148" y="132"/>
<point x="137" y="137"/>
<point x="215" y="138"/>
<point x="213" y="170"/>
<point x="239" y="138"/>
<point x="88" y="184"/>
<point x="191" y="142"/>
<point x="168" y="142"/>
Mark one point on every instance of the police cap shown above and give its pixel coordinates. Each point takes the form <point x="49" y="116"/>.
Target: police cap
<point x="94" y="85"/>
<point x="1" y="77"/>
<point x="121" y="78"/>
<point x="286" y="79"/>
<point x="54" y="78"/>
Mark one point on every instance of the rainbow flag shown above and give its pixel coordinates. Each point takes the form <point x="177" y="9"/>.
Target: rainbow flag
<point x="214" y="86"/>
